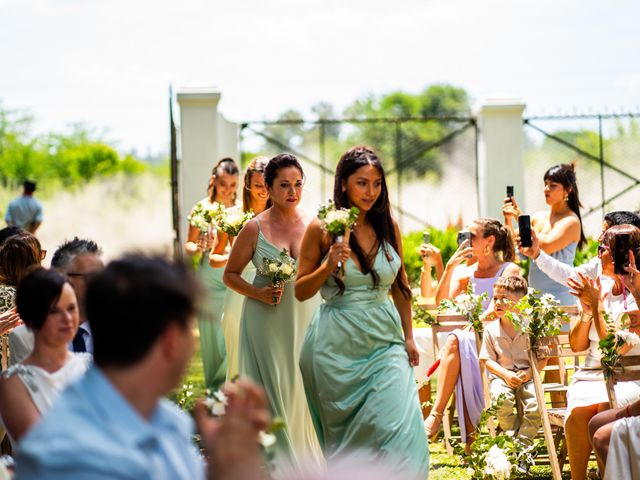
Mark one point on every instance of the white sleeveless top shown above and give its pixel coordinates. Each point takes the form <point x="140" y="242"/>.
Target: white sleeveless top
<point x="44" y="387"/>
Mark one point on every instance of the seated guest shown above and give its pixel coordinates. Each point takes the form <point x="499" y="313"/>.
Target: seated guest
<point x="76" y="259"/>
<point x="114" y="423"/>
<point x="561" y="272"/>
<point x="488" y="256"/>
<point x="587" y="394"/>
<point x="504" y="352"/>
<point x="18" y="253"/>
<point x="47" y="305"/>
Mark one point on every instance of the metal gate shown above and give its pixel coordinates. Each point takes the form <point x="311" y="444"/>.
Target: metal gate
<point x="428" y="160"/>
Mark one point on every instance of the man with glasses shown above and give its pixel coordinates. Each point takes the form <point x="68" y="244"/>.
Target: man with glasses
<point x="77" y="259"/>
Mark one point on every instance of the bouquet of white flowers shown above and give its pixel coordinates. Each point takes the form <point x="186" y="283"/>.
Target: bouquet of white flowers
<point x="217" y="405"/>
<point x="232" y="222"/>
<point x="204" y="215"/>
<point x="538" y="316"/>
<point x="468" y="304"/>
<point x="492" y="456"/>
<point x="610" y="347"/>
<point x="338" y="222"/>
<point x="279" y="270"/>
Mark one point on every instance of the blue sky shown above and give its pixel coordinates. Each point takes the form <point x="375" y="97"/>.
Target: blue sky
<point x="109" y="63"/>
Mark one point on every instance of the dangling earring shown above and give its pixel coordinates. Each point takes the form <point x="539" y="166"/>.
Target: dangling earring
<point x="487" y="250"/>
<point x="566" y="197"/>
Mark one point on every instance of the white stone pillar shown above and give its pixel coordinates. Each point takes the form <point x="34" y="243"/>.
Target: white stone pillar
<point x="205" y="137"/>
<point x="500" y="153"/>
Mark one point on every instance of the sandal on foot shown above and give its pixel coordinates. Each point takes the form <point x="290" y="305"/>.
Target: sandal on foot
<point x="432" y="423"/>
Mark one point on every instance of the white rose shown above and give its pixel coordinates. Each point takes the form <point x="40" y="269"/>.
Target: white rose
<point x="273" y="268"/>
<point x="286" y="269"/>
<point x="497" y="463"/>
<point x="267" y="439"/>
<point x="234" y="219"/>
<point x="628" y="337"/>
<point x="217" y="403"/>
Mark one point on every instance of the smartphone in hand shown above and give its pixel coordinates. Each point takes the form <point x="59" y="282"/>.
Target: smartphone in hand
<point x="510" y="191"/>
<point x="524" y="226"/>
<point x="462" y="236"/>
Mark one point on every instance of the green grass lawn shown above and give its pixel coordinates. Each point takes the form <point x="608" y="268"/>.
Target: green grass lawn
<point x="442" y="466"/>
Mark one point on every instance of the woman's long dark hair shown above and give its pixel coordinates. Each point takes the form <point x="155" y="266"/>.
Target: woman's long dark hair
<point x="379" y="216"/>
<point x="565" y="175"/>
<point x="257" y="165"/>
<point x="226" y="165"/>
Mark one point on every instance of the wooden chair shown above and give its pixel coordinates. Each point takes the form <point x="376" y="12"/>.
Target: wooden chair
<point x="553" y="347"/>
<point x="448" y="323"/>
<point x="627" y="370"/>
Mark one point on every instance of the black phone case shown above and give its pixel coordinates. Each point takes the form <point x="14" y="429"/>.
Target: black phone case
<point x="524" y="225"/>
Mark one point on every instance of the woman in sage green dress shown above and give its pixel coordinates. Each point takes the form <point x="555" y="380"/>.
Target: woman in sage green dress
<point x="255" y="198"/>
<point x="273" y="322"/>
<point x="222" y="189"/>
<point x="358" y="351"/>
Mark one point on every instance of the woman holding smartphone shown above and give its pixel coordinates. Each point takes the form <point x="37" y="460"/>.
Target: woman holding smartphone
<point x="558" y="229"/>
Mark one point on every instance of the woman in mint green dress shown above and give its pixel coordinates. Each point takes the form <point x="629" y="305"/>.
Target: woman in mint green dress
<point x="222" y="189"/>
<point x="358" y="351"/>
<point x="255" y="198"/>
<point x="273" y="322"/>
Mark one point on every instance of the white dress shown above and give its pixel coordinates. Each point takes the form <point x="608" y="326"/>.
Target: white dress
<point x="623" y="459"/>
<point x="44" y="387"/>
<point x="588" y="386"/>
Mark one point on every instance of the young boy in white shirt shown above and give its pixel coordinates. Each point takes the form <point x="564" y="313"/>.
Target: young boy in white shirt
<point x="504" y="353"/>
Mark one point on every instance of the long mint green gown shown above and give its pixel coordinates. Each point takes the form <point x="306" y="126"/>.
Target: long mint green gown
<point x="270" y="341"/>
<point x="360" y="387"/>
<point x="231" y="316"/>
<point x="212" y="347"/>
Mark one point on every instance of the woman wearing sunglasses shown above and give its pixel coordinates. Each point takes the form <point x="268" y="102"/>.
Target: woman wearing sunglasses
<point x="608" y="294"/>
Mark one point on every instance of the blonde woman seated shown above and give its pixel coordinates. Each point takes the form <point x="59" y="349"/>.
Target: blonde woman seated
<point x="587" y="394"/>
<point x="47" y="305"/>
<point x="488" y="256"/>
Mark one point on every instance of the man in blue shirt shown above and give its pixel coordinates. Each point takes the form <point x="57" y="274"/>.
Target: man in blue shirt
<point x="114" y="423"/>
<point x="25" y="211"/>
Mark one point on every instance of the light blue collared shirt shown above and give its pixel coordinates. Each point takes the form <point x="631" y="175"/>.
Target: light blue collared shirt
<point x="93" y="433"/>
<point x="23" y="211"/>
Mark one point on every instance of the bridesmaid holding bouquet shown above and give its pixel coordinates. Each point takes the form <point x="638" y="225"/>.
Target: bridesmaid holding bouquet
<point x="200" y="240"/>
<point x="255" y="199"/>
<point x="358" y="351"/>
<point x="273" y="323"/>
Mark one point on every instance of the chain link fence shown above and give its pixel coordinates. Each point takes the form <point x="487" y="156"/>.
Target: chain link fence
<point x="605" y="150"/>
<point x="430" y="163"/>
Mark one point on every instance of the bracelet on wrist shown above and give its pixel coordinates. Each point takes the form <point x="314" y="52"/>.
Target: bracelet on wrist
<point x="586" y="318"/>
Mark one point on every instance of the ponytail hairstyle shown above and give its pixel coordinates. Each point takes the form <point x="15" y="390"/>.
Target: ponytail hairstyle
<point x="565" y="175"/>
<point x="226" y="165"/>
<point x="379" y="216"/>
<point x="257" y="165"/>
<point x="503" y="244"/>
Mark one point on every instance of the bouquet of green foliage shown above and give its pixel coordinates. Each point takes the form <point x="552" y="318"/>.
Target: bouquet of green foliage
<point x="538" y="316"/>
<point x="611" y="345"/>
<point x="421" y="316"/>
<point x="204" y="215"/>
<point x="338" y="222"/>
<point x="493" y="457"/>
<point x="468" y="304"/>
<point x="232" y="222"/>
<point x="279" y="270"/>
